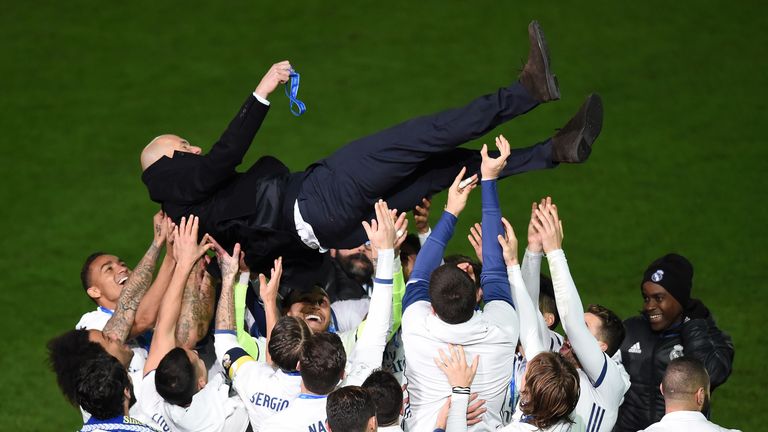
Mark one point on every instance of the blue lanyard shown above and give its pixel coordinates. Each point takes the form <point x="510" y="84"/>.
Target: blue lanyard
<point x="292" y="90"/>
<point x="105" y="310"/>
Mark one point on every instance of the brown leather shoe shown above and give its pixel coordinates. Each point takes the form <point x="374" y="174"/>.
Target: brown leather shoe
<point x="537" y="76"/>
<point x="573" y="143"/>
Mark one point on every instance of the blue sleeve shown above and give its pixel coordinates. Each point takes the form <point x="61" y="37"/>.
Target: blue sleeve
<point x="429" y="258"/>
<point x="493" y="278"/>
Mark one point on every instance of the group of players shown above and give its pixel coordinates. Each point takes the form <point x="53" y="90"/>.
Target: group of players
<point x="399" y="336"/>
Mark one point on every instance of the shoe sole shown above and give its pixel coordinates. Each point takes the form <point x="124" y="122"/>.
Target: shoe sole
<point x="552" y="88"/>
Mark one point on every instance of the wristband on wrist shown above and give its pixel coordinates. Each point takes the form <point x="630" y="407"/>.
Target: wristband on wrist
<point x="460" y="390"/>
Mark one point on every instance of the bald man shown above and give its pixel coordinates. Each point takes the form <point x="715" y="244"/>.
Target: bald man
<point x="686" y="395"/>
<point x="273" y="212"/>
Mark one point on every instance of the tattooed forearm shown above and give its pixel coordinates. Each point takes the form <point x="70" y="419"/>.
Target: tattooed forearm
<point x="119" y="326"/>
<point x="185" y="325"/>
<point x="225" y="313"/>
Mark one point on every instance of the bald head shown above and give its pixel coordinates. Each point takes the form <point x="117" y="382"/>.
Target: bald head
<point x="165" y="145"/>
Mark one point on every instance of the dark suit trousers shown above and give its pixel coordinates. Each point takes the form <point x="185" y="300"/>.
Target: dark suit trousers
<point x="409" y="161"/>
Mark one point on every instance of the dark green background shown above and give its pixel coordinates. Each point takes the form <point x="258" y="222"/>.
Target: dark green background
<point x="679" y="166"/>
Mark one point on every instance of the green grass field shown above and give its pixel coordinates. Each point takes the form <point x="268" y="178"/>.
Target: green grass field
<point x="680" y="165"/>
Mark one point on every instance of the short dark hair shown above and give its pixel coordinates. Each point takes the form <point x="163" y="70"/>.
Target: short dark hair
<point x="387" y="395"/>
<point x="683" y="377"/>
<point x="547" y="302"/>
<point x="551" y="389"/>
<point x="85" y="271"/>
<point x="349" y="409"/>
<point x="175" y="378"/>
<point x="453" y="294"/>
<point x="287" y="341"/>
<point x="101" y="384"/>
<point x="66" y="353"/>
<point x="322" y="362"/>
<point x="612" y="330"/>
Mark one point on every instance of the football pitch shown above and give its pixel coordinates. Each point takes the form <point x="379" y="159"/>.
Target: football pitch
<point x="680" y="165"/>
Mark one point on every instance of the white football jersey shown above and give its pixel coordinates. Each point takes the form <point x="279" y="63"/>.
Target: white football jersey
<point x="491" y="333"/>
<point x="305" y="414"/>
<point x="211" y="410"/>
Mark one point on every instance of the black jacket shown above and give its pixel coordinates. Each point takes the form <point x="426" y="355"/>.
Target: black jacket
<point x="254" y="208"/>
<point x="646" y="354"/>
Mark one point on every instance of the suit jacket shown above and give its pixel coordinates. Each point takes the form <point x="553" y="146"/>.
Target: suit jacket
<point x="254" y="208"/>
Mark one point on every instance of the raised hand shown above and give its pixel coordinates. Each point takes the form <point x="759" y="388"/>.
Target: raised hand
<point x="549" y="226"/>
<point x="490" y="168"/>
<point x="475" y="238"/>
<point x="229" y="264"/>
<point x="459" y="192"/>
<point x="534" y="238"/>
<point x="421" y="216"/>
<point x="278" y="74"/>
<point x="455" y="367"/>
<point x="268" y="291"/>
<point x="186" y="249"/>
<point x="508" y="244"/>
<point x="381" y="231"/>
<point x="401" y="230"/>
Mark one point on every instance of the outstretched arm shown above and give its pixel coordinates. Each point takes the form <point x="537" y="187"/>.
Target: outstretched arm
<point x="268" y="294"/>
<point x="431" y="254"/>
<point x="187" y="252"/>
<point x="493" y="278"/>
<point x="146" y="314"/>
<point x="368" y="351"/>
<point x="593" y="360"/>
<point x="530" y="336"/>
<point x="120" y="324"/>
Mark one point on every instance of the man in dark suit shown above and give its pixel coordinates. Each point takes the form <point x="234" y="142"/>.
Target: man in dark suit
<point x="273" y="212"/>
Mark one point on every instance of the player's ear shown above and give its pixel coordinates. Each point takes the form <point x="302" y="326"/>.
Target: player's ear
<point x="373" y="425"/>
<point x="93" y="292"/>
<point x="701" y="396"/>
<point x="549" y="318"/>
<point x="298" y="365"/>
<point x="603" y="346"/>
<point x="661" y="388"/>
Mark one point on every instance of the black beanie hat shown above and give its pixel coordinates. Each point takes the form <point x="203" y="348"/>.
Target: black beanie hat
<point x="673" y="272"/>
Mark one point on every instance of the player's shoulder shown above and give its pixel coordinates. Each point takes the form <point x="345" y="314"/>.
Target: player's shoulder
<point x="93" y="320"/>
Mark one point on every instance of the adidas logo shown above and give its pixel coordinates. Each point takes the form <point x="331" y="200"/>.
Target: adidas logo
<point x="635" y="349"/>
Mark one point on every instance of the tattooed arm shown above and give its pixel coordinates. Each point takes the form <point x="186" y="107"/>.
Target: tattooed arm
<point x="187" y="251"/>
<point x="146" y="314"/>
<point x="120" y="325"/>
<point x="229" y="264"/>
<point x="196" y="307"/>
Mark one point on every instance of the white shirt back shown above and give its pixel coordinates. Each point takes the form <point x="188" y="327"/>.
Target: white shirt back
<point x="211" y="410"/>
<point x="491" y="333"/>
<point x="686" y="421"/>
<point x="265" y="391"/>
<point x="305" y="414"/>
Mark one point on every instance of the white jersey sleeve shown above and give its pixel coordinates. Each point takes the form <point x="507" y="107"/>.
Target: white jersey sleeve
<point x="569" y="305"/>
<point x="369" y="349"/>
<point x="530" y="335"/>
<point x="531" y="270"/>
<point x="350" y="313"/>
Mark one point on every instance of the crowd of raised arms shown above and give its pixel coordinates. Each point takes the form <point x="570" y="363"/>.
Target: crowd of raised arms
<point x="395" y="335"/>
